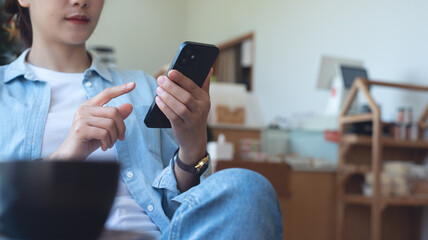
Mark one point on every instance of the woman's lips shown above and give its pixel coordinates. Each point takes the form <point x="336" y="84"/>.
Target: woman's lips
<point x="78" y="19"/>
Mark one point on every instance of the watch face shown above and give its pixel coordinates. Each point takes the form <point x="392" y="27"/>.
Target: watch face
<point x="202" y="169"/>
<point x="202" y="162"/>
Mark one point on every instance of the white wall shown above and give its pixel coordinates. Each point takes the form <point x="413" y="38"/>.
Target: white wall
<point x="390" y="36"/>
<point x="144" y="33"/>
<point x="291" y="36"/>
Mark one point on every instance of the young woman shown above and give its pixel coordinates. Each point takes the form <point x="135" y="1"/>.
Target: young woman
<point x="58" y="102"/>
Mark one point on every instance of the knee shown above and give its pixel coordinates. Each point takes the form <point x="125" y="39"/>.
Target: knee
<point x="244" y="183"/>
<point x="248" y="192"/>
<point x="238" y="199"/>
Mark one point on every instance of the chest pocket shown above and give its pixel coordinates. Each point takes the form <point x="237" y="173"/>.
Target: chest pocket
<point x="151" y="136"/>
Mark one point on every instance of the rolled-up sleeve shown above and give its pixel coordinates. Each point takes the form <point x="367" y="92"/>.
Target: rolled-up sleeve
<point x="166" y="182"/>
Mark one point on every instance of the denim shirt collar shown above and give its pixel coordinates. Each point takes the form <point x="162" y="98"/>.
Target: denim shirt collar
<point x="19" y="68"/>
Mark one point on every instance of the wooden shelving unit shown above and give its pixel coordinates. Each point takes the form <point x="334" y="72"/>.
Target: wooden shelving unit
<point x="388" y="142"/>
<point x="359" y="155"/>
<point x="391" y="201"/>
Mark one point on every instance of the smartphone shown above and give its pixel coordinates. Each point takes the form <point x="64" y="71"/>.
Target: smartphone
<point x="194" y="60"/>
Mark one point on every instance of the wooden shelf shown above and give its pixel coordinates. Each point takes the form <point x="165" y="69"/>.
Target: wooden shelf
<point x="357" y="199"/>
<point x="371" y="151"/>
<point x="416" y="200"/>
<point x="388" y="142"/>
<point x="356" y="118"/>
<point x="357" y="169"/>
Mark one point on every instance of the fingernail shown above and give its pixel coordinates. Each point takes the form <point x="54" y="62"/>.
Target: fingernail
<point x="171" y="73"/>
<point x="160" y="90"/>
<point x="161" y="79"/>
<point x="130" y="85"/>
<point x="158" y="100"/>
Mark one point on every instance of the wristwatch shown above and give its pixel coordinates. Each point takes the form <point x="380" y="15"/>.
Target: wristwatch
<point x="199" y="169"/>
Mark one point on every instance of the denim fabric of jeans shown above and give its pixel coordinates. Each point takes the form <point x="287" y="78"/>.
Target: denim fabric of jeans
<point x="230" y="204"/>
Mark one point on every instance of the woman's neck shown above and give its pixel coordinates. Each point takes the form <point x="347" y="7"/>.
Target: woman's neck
<point x="60" y="58"/>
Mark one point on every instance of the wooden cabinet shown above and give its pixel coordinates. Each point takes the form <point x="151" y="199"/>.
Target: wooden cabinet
<point x="307" y="198"/>
<point x="309" y="211"/>
<point x="235" y="61"/>
<point x="375" y="217"/>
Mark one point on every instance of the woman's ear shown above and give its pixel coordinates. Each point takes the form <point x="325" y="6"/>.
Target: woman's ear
<point x="24" y="3"/>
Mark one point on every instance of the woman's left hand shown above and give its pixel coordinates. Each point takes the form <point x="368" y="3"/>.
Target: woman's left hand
<point x="186" y="105"/>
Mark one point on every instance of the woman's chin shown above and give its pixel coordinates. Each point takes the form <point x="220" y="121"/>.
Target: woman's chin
<point x="76" y="39"/>
<point x="76" y="42"/>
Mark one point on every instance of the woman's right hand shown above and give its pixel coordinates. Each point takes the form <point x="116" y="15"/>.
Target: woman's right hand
<point x="95" y="126"/>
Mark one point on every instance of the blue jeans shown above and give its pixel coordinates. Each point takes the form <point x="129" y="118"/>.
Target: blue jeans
<point x="230" y="204"/>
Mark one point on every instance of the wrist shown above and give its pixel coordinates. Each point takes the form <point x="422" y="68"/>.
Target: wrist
<point x="192" y="157"/>
<point x="62" y="154"/>
<point x="197" y="170"/>
<point x="53" y="157"/>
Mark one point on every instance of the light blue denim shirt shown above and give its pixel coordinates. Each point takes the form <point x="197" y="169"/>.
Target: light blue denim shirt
<point x="144" y="155"/>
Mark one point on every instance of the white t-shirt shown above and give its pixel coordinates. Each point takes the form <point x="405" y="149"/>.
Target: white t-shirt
<point x="67" y="95"/>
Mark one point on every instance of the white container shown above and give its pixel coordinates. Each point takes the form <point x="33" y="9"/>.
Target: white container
<point x="220" y="150"/>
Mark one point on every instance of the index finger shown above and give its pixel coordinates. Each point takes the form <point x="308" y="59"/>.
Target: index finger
<point x="109" y="93"/>
<point x="185" y="83"/>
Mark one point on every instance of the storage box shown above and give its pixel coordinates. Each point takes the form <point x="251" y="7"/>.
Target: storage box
<point x="227" y="115"/>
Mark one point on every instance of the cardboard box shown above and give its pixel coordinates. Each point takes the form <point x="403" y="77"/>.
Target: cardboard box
<point x="227" y="115"/>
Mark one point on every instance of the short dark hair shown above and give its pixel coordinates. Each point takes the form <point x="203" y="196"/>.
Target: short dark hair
<point x="23" y="20"/>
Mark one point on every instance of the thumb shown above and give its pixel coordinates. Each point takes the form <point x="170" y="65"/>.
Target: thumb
<point x="125" y="110"/>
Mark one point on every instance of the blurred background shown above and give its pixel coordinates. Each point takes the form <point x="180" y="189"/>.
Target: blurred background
<point x="278" y="87"/>
<point x="290" y="37"/>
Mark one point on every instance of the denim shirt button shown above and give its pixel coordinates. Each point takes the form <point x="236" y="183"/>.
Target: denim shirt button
<point x="88" y="84"/>
<point x="150" y="208"/>
<point x="129" y="174"/>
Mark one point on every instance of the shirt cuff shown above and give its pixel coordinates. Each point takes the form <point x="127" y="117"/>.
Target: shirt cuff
<point x="166" y="179"/>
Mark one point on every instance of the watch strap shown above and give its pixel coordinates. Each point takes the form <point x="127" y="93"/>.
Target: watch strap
<point x="198" y="169"/>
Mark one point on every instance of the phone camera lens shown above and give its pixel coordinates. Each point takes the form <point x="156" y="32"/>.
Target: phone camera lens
<point x="193" y="57"/>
